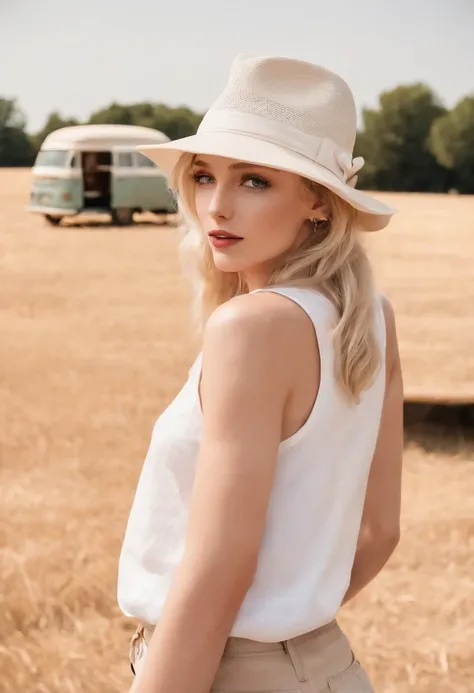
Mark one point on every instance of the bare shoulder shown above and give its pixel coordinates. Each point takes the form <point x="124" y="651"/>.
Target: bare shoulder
<point x="261" y="329"/>
<point x="260" y="316"/>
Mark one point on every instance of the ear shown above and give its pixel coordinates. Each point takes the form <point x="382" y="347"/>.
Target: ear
<point x="320" y="210"/>
<point x="315" y="201"/>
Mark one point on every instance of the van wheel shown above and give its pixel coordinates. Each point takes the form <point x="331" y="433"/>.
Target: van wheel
<point x="53" y="221"/>
<point x="122" y="216"/>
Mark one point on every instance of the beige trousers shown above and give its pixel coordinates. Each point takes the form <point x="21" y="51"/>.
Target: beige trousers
<point x="316" y="662"/>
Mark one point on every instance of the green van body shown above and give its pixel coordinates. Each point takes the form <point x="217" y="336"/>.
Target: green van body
<point x="129" y="182"/>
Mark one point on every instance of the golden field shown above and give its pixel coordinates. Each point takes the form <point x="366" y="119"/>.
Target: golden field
<point x="95" y="341"/>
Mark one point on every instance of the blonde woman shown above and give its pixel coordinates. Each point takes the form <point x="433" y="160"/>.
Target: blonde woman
<point x="270" y="494"/>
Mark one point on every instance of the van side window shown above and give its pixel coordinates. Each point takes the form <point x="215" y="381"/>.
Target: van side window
<point x="143" y="161"/>
<point x="125" y="159"/>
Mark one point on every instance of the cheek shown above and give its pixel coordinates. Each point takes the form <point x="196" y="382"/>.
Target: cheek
<point x="275" y="220"/>
<point x="200" y="204"/>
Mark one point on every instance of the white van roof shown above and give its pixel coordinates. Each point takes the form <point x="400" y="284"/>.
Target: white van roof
<point x="96" y="137"/>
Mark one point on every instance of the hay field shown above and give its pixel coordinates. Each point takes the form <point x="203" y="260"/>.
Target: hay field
<point x="94" y="343"/>
<point x="425" y="264"/>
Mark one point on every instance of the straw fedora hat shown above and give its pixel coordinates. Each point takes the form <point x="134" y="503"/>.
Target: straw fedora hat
<point x="285" y="114"/>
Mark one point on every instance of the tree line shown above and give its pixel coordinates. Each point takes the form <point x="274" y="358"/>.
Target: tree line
<point x="410" y="141"/>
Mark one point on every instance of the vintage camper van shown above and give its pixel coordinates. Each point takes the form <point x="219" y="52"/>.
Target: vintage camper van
<point x="91" y="169"/>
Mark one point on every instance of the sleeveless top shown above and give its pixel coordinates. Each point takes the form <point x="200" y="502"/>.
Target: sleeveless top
<point x="315" y="508"/>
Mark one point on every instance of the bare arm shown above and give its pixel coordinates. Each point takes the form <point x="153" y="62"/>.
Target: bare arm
<point x="380" y="527"/>
<point x="243" y="390"/>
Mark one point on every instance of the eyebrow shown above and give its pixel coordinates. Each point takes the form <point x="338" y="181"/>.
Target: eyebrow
<point x="239" y="165"/>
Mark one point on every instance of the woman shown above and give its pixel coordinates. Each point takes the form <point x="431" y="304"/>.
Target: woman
<point x="270" y="494"/>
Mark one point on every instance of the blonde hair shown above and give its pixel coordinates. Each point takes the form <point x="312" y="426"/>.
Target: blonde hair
<point x="331" y="260"/>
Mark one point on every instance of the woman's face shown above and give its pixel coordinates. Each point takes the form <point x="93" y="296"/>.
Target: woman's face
<point x="251" y="215"/>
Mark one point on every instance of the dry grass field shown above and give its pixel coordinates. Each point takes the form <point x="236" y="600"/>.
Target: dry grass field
<point x="95" y="341"/>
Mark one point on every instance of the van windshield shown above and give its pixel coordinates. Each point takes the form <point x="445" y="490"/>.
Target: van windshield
<point x="53" y="157"/>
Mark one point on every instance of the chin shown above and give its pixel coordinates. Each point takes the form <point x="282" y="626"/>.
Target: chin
<point x="228" y="264"/>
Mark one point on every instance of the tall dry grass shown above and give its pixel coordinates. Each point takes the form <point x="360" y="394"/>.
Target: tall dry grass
<point x="95" y="342"/>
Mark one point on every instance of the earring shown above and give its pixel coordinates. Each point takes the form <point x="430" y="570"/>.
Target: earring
<point x="317" y="223"/>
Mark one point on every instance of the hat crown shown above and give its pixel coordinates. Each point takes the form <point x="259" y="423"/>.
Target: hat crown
<point x="303" y="96"/>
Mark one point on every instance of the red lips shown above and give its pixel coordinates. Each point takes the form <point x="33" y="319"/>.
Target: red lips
<point x="218" y="233"/>
<point x="223" y="239"/>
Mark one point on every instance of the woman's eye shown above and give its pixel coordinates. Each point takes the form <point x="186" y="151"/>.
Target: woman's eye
<point x="256" y="183"/>
<point x="203" y="178"/>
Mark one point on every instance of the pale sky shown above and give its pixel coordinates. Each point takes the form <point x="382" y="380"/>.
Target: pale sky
<point x="76" y="57"/>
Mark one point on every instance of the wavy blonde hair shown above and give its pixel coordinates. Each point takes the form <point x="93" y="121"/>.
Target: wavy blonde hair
<point x="331" y="260"/>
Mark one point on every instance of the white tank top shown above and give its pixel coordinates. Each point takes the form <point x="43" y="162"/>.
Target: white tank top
<point x="315" y="509"/>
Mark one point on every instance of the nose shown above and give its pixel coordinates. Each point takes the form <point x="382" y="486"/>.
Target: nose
<point x="221" y="203"/>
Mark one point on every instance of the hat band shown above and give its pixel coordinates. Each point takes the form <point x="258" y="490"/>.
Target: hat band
<point x="321" y="150"/>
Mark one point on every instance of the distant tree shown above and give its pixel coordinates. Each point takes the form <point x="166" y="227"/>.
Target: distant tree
<point x="395" y="142"/>
<point x="53" y="122"/>
<point x="16" y="148"/>
<point x="452" y="142"/>
<point x="410" y="142"/>
<point x="174" y="122"/>
<point x="143" y="113"/>
<point x="11" y="115"/>
<point x="367" y="175"/>
<point x="115" y="114"/>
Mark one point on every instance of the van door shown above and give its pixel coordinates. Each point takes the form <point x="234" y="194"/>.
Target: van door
<point x="77" y="183"/>
<point x="124" y="179"/>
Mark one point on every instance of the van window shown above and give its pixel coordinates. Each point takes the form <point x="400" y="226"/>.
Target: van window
<point x="52" y="157"/>
<point x="124" y="159"/>
<point x="144" y="161"/>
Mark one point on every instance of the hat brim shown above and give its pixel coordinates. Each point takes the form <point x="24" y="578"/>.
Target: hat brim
<point x="373" y="215"/>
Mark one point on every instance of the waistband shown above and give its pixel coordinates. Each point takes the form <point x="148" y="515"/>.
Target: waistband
<point x="239" y="646"/>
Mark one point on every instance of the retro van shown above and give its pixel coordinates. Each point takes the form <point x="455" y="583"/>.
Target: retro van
<point x="92" y="169"/>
